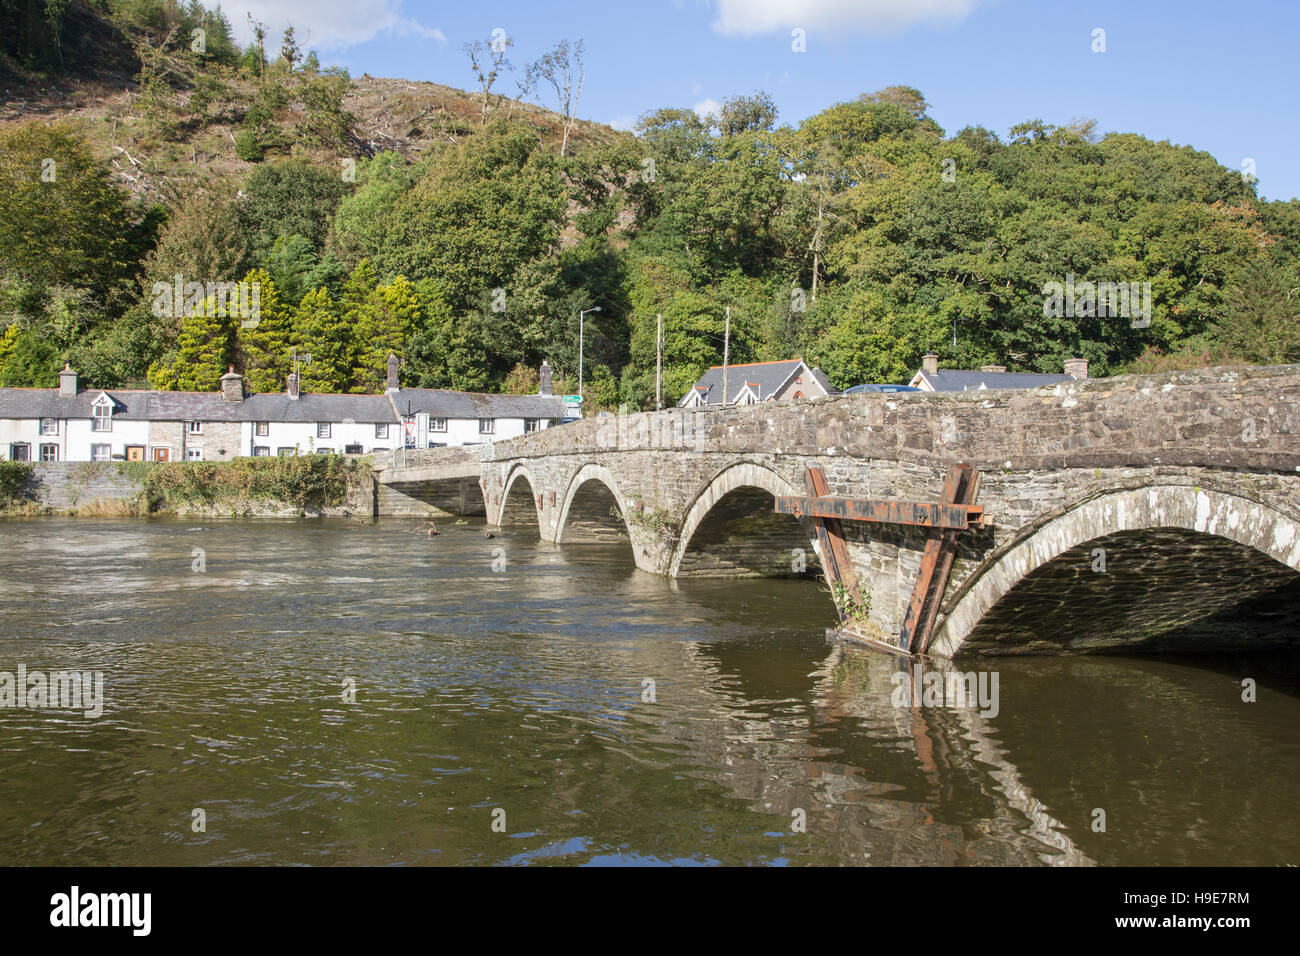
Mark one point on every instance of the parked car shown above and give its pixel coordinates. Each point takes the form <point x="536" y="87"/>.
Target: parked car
<point x="859" y="389"/>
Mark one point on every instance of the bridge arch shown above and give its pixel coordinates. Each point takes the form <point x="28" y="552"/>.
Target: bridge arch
<point x="519" y="499"/>
<point x="585" y="513"/>
<point x="1217" y="514"/>
<point x="733" y="479"/>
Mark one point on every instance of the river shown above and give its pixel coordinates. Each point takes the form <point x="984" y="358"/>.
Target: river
<point x="344" y="692"/>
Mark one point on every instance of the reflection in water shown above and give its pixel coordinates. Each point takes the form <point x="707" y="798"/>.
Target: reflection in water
<point x="522" y="690"/>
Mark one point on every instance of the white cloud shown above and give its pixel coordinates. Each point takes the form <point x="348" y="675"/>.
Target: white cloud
<point x="326" y="25"/>
<point x="750" y="17"/>
<point x="624" y="121"/>
<point x="707" y="108"/>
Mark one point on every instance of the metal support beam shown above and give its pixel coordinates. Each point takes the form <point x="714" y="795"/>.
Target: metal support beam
<point x="830" y="538"/>
<point x="936" y="563"/>
<point x="923" y="513"/>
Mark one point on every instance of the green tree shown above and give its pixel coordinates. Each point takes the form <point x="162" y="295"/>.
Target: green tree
<point x="266" y="343"/>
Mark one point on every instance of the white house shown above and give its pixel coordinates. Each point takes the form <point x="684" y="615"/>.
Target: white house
<point x="72" y="424"/>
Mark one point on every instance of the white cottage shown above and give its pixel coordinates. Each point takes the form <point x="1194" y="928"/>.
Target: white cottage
<point x="71" y="424"/>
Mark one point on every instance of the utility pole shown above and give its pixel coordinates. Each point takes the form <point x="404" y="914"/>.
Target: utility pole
<point x="726" y="353"/>
<point x="659" y="362"/>
<point x="581" y="313"/>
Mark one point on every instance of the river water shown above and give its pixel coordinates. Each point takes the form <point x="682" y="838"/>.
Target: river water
<point x="342" y="692"/>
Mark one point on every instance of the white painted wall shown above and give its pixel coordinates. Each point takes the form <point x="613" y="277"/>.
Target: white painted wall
<point x="75" y="437"/>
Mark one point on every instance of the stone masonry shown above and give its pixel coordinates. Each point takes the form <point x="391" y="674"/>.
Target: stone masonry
<point x="1213" y="451"/>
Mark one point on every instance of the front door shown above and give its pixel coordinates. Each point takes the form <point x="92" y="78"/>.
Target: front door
<point x="162" y="454"/>
<point x="135" y="452"/>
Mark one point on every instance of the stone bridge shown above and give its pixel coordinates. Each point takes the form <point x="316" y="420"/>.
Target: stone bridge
<point x="1143" y="513"/>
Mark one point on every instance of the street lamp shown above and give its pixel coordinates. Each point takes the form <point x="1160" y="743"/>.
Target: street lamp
<point x="594" y="308"/>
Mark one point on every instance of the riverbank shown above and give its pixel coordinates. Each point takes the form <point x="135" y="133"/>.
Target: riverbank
<point x="305" y="485"/>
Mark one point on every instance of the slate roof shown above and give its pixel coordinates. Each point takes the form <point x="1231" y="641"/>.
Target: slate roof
<point x="957" y="380"/>
<point x="441" y="403"/>
<point x="768" y="377"/>
<point x="141" y="405"/>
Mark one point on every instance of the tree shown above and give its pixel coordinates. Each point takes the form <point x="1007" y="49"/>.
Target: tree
<point x="265" y="346"/>
<point x="384" y="323"/>
<point x="1262" y="325"/>
<point x="487" y="58"/>
<point x="203" y="353"/>
<point x="486" y="207"/>
<point x="322" y="331"/>
<point x="562" y="68"/>
<point x="291" y="197"/>
<point x="62" y="221"/>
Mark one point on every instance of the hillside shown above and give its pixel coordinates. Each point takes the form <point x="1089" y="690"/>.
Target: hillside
<point x="98" y="91"/>
<point x="858" y="239"/>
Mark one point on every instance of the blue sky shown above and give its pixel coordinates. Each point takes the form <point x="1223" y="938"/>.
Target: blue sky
<point x="1221" y="77"/>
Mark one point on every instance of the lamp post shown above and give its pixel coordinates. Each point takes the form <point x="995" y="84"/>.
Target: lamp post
<point x="583" y="312"/>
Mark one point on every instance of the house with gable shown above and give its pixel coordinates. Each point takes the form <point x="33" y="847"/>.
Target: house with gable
<point x="756" y="382"/>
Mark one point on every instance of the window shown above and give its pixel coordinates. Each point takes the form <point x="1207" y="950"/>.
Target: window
<point x="435" y="444"/>
<point x="20" y="451"/>
<point x="324" y="451"/>
<point x="352" y="450"/>
<point x="49" y="453"/>
<point x="437" y="424"/>
<point x="532" y="424"/>
<point x="381" y="431"/>
<point x="286" y="452"/>
<point x="487" y="426"/>
<point x="262" y="429"/>
<point x="261" y="451"/>
<point x="103" y="420"/>
<point x="101" y="452"/>
<point x="322" y="429"/>
<point x="49" y="426"/>
<point x="194" y="428"/>
<point x="193" y="454"/>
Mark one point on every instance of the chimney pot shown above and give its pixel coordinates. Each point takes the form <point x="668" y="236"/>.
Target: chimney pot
<point x="232" y="386"/>
<point x="1077" y="368"/>
<point x="544" y="378"/>
<point x="67" y="382"/>
<point x="930" y="363"/>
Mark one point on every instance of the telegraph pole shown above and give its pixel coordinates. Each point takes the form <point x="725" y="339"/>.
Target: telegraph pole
<point x="726" y="353"/>
<point x="581" y="314"/>
<point x="658" y="364"/>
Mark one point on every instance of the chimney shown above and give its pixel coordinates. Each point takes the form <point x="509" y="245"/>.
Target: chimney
<point x="67" y="382"/>
<point x="1077" y="368"/>
<point x="291" y="387"/>
<point x="993" y="368"/>
<point x="392" y="373"/>
<point x="930" y="363"/>
<point x="544" y="388"/>
<point x="232" y="386"/>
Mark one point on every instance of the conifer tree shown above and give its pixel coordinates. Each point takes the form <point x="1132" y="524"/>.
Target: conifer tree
<point x="267" y="342"/>
<point x="321" y="331"/>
